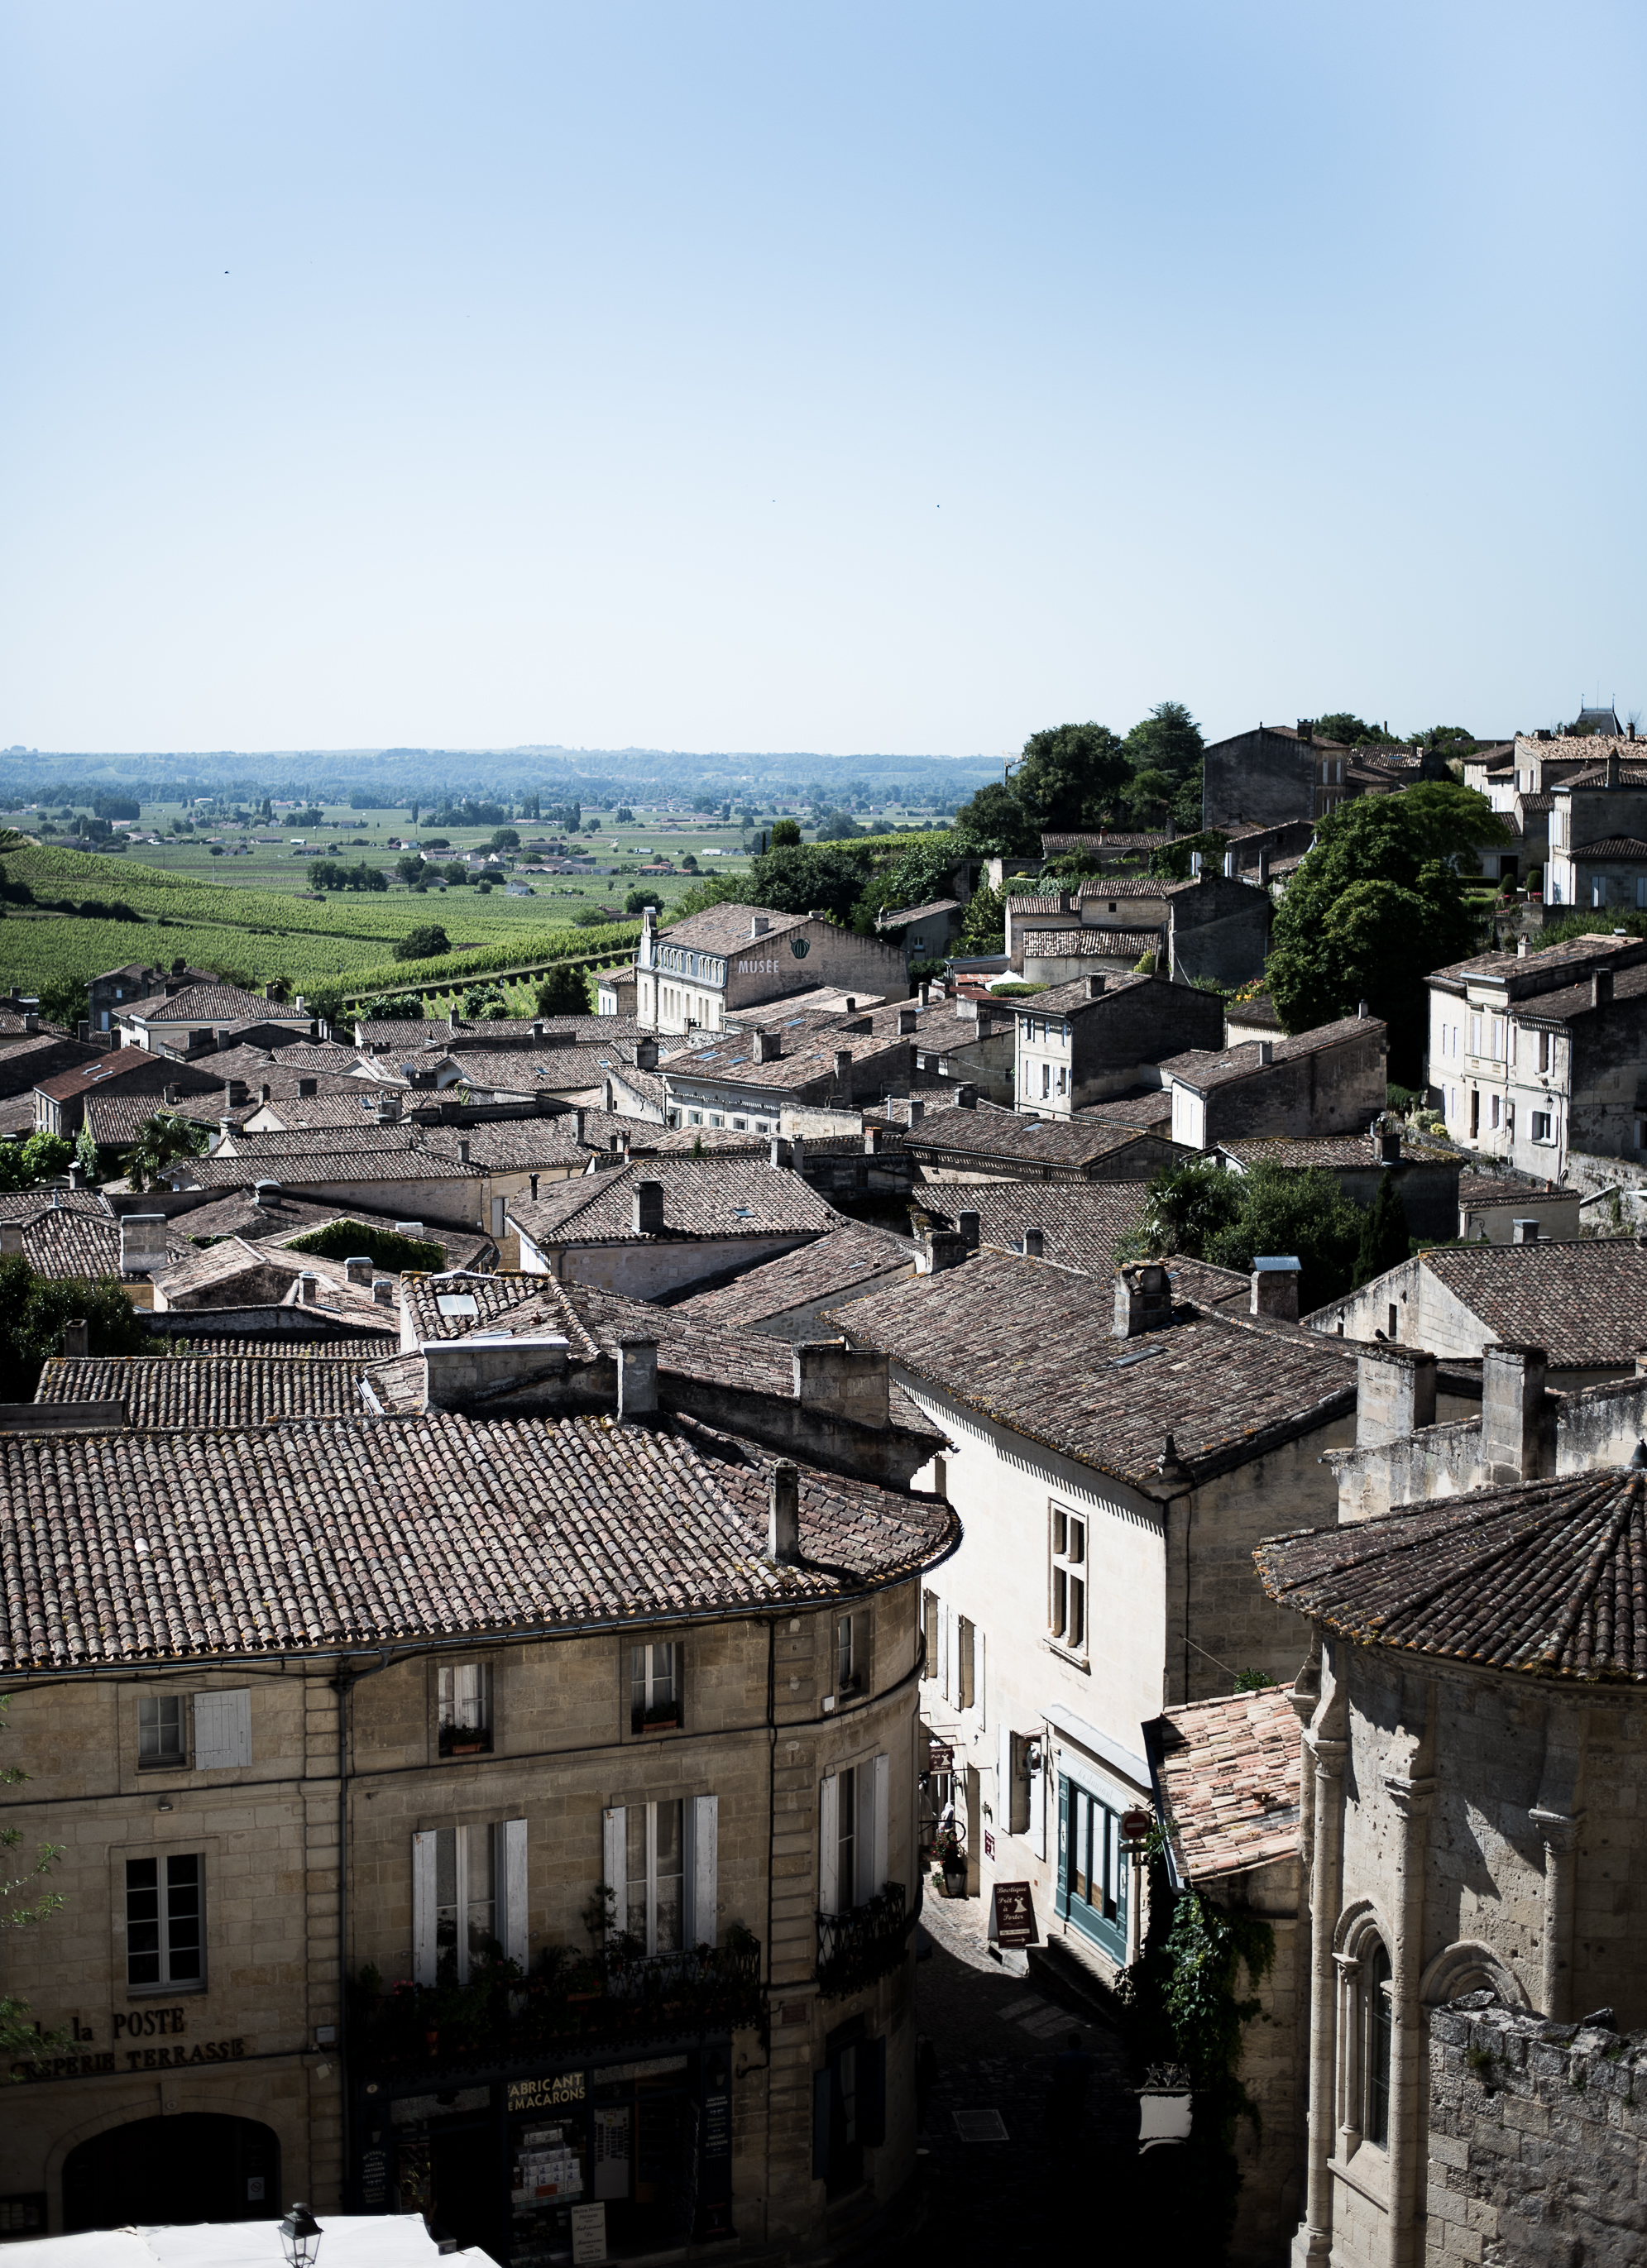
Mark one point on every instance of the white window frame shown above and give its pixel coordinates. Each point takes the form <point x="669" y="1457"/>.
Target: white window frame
<point x="700" y="1841"/>
<point x="509" y="1898"/>
<point x="869" y="1781"/>
<point x="165" y="1981"/>
<point x="1068" y="1618"/>
<point x="465" y="1688"/>
<point x="652" y="1667"/>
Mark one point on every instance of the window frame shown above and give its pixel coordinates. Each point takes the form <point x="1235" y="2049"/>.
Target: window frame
<point x="650" y="1710"/>
<point x="158" y="1701"/>
<point x="164" y="1950"/>
<point x="1068" y="1622"/>
<point x="448" y="1750"/>
<point x="1090" y="1824"/>
<point x="645" y="1815"/>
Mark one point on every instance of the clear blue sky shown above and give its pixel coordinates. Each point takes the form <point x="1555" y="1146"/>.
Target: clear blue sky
<point x="832" y="377"/>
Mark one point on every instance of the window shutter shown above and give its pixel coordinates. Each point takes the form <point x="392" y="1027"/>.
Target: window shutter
<point x="223" y="1729"/>
<point x="965" y="1639"/>
<point x="615" y="1858"/>
<point x="1003" y="1780"/>
<point x="829" y="1846"/>
<point x="703" y="1832"/>
<point x="422" y="1907"/>
<point x="878" y="1857"/>
<point x="512" y="1890"/>
<point x="872" y="2092"/>
<point x="822" y="2084"/>
<point x="945" y="1618"/>
<point x="1038" y="1805"/>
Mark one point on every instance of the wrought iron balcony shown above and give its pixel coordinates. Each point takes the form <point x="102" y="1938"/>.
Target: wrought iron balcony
<point x="502" y="2017"/>
<point x="865" y="1943"/>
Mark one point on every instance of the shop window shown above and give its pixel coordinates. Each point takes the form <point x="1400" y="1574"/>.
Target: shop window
<point x="162" y="1743"/>
<point x="1067" y="1616"/>
<point x="1091" y="1868"/>
<point x="655" y="1688"/>
<point x="468" y="1899"/>
<point x="165" y="1939"/>
<point x="852" y="1830"/>
<point x="465" y="1709"/>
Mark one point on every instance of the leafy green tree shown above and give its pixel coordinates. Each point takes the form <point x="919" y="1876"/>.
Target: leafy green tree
<point x="785" y="835"/>
<point x="1172" y="858"/>
<point x="1168" y="740"/>
<point x="1374" y="907"/>
<point x="25" y="1164"/>
<point x="563" y="990"/>
<point x="1184" y="1207"/>
<point x="812" y="877"/>
<point x="410" y="868"/>
<point x="993" y="822"/>
<point x="1342" y="724"/>
<point x="638" y="900"/>
<point x="484" y="1004"/>
<point x="505" y="838"/>
<point x="1302" y="1213"/>
<point x="33" y="1310"/>
<point x="915" y="874"/>
<point x="426" y="943"/>
<point x="983" y="925"/>
<point x="162" y="1137"/>
<point x="392" y="1008"/>
<point x="1386" y="1239"/>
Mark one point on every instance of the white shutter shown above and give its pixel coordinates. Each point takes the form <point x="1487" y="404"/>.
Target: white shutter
<point x="1038" y="1805"/>
<point x="422" y="1907"/>
<point x="223" y="1729"/>
<point x="1003" y="1778"/>
<point x="878" y="1855"/>
<point x="512" y="1890"/>
<point x="829" y="1847"/>
<point x="615" y="1858"/>
<point x="944" y="1649"/>
<point x="703" y="1827"/>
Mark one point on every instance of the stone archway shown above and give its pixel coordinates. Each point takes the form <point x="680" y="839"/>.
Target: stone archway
<point x="193" y="2165"/>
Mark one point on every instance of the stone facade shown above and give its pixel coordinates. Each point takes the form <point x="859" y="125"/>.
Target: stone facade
<point x="1099" y="1037"/>
<point x="694" y="976"/>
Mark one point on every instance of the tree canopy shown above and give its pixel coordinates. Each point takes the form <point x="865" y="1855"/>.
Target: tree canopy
<point x="1232" y="1219"/>
<point x="807" y="877"/>
<point x="1374" y="907"/>
<point x="563" y="990"/>
<point x="33" y="1310"/>
<point x="1076" y="778"/>
<point x="425" y="944"/>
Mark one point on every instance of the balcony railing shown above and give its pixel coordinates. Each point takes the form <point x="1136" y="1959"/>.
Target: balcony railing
<point x="503" y="2017"/>
<point x="865" y="1943"/>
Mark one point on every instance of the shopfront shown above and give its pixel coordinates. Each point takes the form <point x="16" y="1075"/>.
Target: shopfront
<point x="503" y="2161"/>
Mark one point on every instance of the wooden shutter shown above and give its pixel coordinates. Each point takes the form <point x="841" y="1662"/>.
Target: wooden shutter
<point x="1038" y="1807"/>
<point x="964" y="1662"/>
<point x="829" y="1848"/>
<point x="615" y="1858"/>
<point x="223" y="1729"/>
<point x="872" y="2092"/>
<point x="703" y="1830"/>
<point x="422" y="1907"/>
<point x="1003" y="1780"/>
<point x="512" y="1890"/>
<point x="880" y="1813"/>
<point x="944" y="1620"/>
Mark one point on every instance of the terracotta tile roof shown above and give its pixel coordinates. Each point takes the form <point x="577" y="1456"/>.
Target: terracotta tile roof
<point x="1332" y="1149"/>
<point x="117" y="1064"/>
<point x="1478" y="1189"/>
<point x="1086" y="944"/>
<point x="1031" y="1346"/>
<point x="1613" y="846"/>
<point x="213" y="1004"/>
<point x="27" y="1064"/>
<point x="511" y="1144"/>
<point x="360" y="1531"/>
<point x="837" y="1263"/>
<point x="1073" y="998"/>
<point x="723" y="929"/>
<point x="1015" y="1139"/>
<point x="718" y="1141"/>
<point x="906" y="914"/>
<point x="176" y="1390"/>
<point x="1079" y="1227"/>
<point x="71" y="1246"/>
<point x="1576" y="999"/>
<point x="807" y="1062"/>
<point x="527" y="1072"/>
<point x="339" y="1103"/>
<point x="314" y="1167"/>
<point x="279" y="1068"/>
<point x="28" y="1205"/>
<point x="340" y="1345"/>
<point x="407" y="1036"/>
<point x="114" y="1120"/>
<point x="1583" y="1303"/>
<point x="14" y="1024"/>
<point x="1202" y="1070"/>
<point x="1104" y="839"/>
<point x="1150" y="1108"/>
<point x="1574" y="950"/>
<point x="240" y="1214"/>
<point x="1543" y="1578"/>
<point x="1530" y="800"/>
<point x="237" y="1273"/>
<point x="821" y="1000"/>
<point x="458" y="1303"/>
<point x="1229" y="1776"/>
<point x="702" y="1197"/>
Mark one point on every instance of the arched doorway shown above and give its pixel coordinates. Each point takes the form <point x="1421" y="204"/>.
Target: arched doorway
<point x="196" y="2165"/>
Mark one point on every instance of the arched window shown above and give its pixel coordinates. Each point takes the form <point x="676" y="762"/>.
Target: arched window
<point x="1377" y="2029"/>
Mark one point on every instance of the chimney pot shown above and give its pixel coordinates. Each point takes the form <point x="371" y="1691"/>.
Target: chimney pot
<point x="852" y="1003"/>
<point x="1143" y="1300"/>
<point x="648" y="1213"/>
<point x="1274" y="1291"/>
<point x="357" y="1270"/>
<point x="783" y="1514"/>
<point x="383" y="1291"/>
<point x="1521" y="948"/>
<point x="1390" y="1148"/>
<point x="1034" y="1243"/>
<point x="637" y="1378"/>
<point x="309" y="1288"/>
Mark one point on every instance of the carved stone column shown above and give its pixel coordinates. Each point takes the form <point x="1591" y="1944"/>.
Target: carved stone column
<point x="1560" y="1830"/>
<point x="1325" y="1759"/>
<point x="1408" y="2060"/>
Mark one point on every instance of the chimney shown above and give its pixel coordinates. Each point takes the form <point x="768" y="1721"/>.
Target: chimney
<point x="1306" y="729"/>
<point x="1263" y="870"/>
<point x="842" y="1067"/>
<point x="462" y="1149"/>
<point x="1512" y="1402"/>
<point x="457" y="1371"/>
<point x="908" y="1021"/>
<point x="915" y="1111"/>
<point x="1195" y="863"/>
<point x="10" y="1239"/>
<point x="1034" y="1243"/>
<point x="648" y="1216"/>
<point x="266" y="1193"/>
<point x="225" y="1127"/>
<point x="265" y="1093"/>
<point x="967" y="1224"/>
<point x="358" y="1271"/>
<point x="1521" y="948"/>
<point x="637" y="1378"/>
<point x="1395" y="1394"/>
<point x="1524" y="1232"/>
<point x="77" y="1174"/>
<point x="538" y="1028"/>
<point x="1266" y="1051"/>
<point x="645" y="1054"/>
<point x="966" y="1096"/>
<point x="1143" y="1301"/>
<point x="75" y="1337"/>
<point x="383" y="1291"/>
<point x="769" y="1047"/>
<point x="274" y="989"/>
<point x="783" y="1514"/>
<point x="307" y="1088"/>
<point x="172" y="1094"/>
<point x="852" y="1003"/>
<point x="779" y="1151"/>
<point x="408" y="1228"/>
<point x="142" y="1243"/>
<point x="1614" y="776"/>
<point x="533" y="1180"/>
<point x="941" y="1248"/>
<point x="1390" y="1148"/>
<point x="1230" y="865"/>
<point x="1360" y="1011"/>
<point x="758" y="925"/>
<point x="236" y="1094"/>
<point x="1274" y="1290"/>
<point x="309" y="1289"/>
<point x="1601" y="988"/>
<point x="453" y="1019"/>
<point x="1095" y="988"/>
<point x="835" y="1381"/>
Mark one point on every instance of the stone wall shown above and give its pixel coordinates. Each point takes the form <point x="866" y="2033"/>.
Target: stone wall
<point x="1538" y="2139"/>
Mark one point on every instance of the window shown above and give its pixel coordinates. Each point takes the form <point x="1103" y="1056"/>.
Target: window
<point x="740" y="1125"/>
<point x="1392" y="1329"/>
<point x="1091" y="1867"/>
<point x="468" y="1899"/>
<point x="1492" y="1112"/>
<point x="1541" y="1125"/>
<point x="1046" y="1078"/>
<point x="160" y="1743"/>
<point x="848" y="2108"/>
<point x="1063" y="1079"/>
<point x="1067" y="1618"/>
<point x="846" y="1677"/>
<point x="965" y="1663"/>
<point x="655" y="1869"/>
<point x="1598" y="892"/>
<point x="852" y="1830"/>
<point x="463" y="1712"/>
<point x="929" y="1612"/>
<point x="1547" y="1051"/>
<point x="1475" y="1035"/>
<point x="655" y="1688"/>
<point x="1378" y="2028"/>
<point x="696" y="1117"/>
<point x="164" y="1942"/>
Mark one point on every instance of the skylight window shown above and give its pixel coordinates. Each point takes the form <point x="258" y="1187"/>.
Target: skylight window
<point x="456" y="1303"/>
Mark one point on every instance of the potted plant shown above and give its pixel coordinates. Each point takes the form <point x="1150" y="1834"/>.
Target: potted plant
<point x="952" y="1861"/>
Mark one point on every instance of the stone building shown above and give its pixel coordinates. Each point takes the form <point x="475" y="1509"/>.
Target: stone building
<point x="1331" y="1080"/>
<point x="970" y="1144"/>
<point x="478" y="1817"/>
<point x="1425" y="1177"/>
<point x="1081" y="1042"/>
<point x="1213" y="926"/>
<point x="1278" y="772"/>
<point x="700" y="971"/>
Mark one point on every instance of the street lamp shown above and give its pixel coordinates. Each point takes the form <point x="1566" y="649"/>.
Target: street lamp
<point x="301" y="2237"/>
